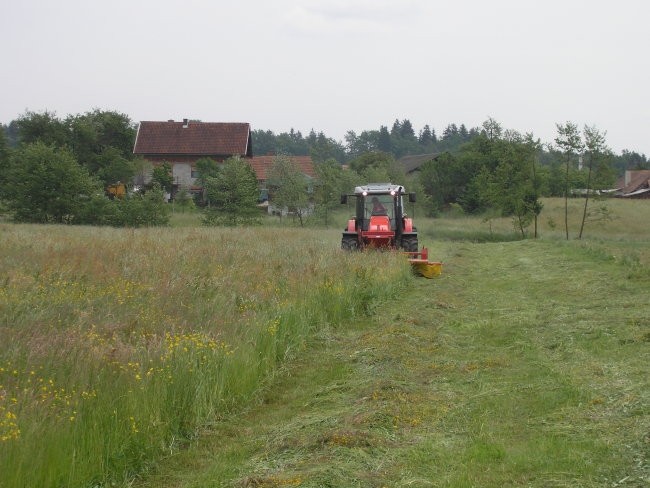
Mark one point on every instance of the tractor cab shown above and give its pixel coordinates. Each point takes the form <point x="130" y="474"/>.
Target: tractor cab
<point x="377" y="208"/>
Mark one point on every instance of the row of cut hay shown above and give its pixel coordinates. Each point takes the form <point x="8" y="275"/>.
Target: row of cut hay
<point x="119" y="343"/>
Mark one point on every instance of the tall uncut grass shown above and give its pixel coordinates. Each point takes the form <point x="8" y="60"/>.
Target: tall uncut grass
<point x="119" y="344"/>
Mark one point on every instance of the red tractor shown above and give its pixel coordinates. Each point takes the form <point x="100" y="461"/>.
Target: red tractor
<point x="380" y="220"/>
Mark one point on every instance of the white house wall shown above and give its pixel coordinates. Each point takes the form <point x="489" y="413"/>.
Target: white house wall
<point x="182" y="174"/>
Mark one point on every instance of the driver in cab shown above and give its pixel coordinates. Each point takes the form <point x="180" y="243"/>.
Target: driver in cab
<point x="377" y="207"/>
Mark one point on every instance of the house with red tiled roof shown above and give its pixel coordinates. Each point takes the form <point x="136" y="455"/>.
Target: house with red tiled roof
<point x="635" y="184"/>
<point x="262" y="164"/>
<point x="183" y="143"/>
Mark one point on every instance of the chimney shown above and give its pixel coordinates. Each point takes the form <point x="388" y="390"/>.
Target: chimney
<point x="186" y="123"/>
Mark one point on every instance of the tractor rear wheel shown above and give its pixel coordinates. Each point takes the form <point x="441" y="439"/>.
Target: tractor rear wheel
<point x="349" y="243"/>
<point x="410" y="243"/>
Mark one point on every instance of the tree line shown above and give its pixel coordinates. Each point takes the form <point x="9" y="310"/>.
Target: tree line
<point x="55" y="170"/>
<point x="400" y="140"/>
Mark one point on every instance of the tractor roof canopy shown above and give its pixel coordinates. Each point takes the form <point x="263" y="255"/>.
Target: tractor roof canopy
<point x="379" y="189"/>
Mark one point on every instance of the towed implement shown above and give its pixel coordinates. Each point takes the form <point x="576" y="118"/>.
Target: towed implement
<point x="117" y="190"/>
<point x="380" y="222"/>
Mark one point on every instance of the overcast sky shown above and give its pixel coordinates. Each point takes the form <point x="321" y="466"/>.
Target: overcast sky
<point x="336" y="65"/>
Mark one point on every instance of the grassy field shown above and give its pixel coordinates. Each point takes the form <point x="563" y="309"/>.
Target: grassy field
<point x="265" y="357"/>
<point x="118" y="344"/>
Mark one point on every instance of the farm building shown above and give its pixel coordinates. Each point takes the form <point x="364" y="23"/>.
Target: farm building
<point x="635" y="184"/>
<point x="182" y="144"/>
<point x="413" y="163"/>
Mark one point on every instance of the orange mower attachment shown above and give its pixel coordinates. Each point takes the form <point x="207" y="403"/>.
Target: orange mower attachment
<point x="421" y="265"/>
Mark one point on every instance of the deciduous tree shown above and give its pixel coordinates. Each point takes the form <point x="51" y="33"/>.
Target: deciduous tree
<point x="331" y="181"/>
<point x="595" y="148"/>
<point x="288" y="187"/>
<point x="373" y="166"/>
<point x="569" y="143"/>
<point x="511" y="186"/>
<point x="103" y="142"/>
<point x="47" y="185"/>
<point x="365" y="142"/>
<point x="492" y="129"/>
<point x="43" y="127"/>
<point x="207" y="168"/>
<point x="162" y="175"/>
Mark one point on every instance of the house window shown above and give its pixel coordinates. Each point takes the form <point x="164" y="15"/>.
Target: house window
<point x="194" y="173"/>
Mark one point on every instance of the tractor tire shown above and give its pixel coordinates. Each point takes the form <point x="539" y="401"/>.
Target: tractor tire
<point x="410" y="243"/>
<point x="349" y="243"/>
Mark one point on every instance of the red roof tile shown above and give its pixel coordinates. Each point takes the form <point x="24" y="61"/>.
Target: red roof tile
<point x="195" y="138"/>
<point x="261" y="164"/>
